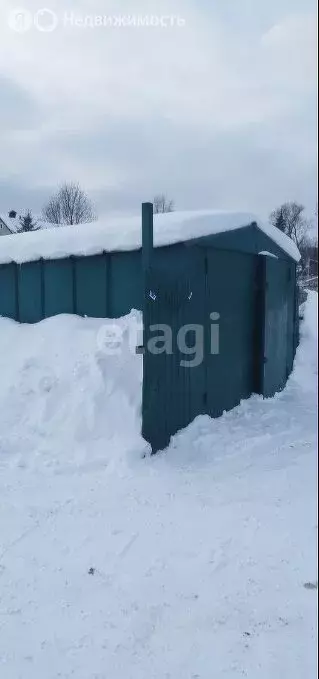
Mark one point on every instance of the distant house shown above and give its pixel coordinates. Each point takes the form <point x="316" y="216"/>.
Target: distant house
<point x="10" y="223"/>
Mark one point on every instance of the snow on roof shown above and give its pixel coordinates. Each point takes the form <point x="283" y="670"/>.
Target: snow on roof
<point x="14" y="225"/>
<point x="9" y="223"/>
<point x="124" y="233"/>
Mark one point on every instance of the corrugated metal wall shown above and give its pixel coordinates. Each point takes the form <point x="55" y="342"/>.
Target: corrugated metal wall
<point x="111" y="284"/>
<point x="102" y="286"/>
<point x="252" y="300"/>
<point x="279" y="323"/>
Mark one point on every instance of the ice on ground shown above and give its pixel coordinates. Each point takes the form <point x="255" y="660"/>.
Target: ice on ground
<point x="195" y="563"/>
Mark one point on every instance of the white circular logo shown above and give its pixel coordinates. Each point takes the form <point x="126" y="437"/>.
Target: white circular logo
<point x="20" y="20"/>
<point x="45" y="20"/>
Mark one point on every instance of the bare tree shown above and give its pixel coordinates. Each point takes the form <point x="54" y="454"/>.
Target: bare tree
<point x="162" y="204"/>
<point x="290" y="219"/>
<point x="52" y="211"/>
<point x="70" y="205"/>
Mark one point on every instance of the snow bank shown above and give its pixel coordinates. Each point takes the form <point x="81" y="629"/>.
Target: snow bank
<point x="65" y="386"/>
<point x="125" y="234"/>
<point x="306" y="362"/>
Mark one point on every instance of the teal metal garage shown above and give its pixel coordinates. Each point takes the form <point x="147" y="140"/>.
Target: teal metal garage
<point x="220" y="281"/>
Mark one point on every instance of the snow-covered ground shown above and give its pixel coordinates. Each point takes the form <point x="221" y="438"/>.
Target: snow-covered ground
<point x="191" y="564"/>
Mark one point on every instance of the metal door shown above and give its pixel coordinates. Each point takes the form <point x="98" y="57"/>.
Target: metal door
<point x="232" y="315"/>
<point x="174" y="384"/>
<point x="277" y="358"/>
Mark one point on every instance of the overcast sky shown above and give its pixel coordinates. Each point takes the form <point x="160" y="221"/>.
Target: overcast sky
<point x="215" y="107"/>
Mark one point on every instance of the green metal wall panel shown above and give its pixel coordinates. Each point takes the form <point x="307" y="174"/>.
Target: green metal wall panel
<point x="264" y="244"/>
<point x="30" y="292"/>
<point x="249" y="240"/>
<point x="174" y="260"/>
<point x="239" y="240"/>
<point x="126" y="282"/>
<point x="58" y="287"/>
<point x="276" y="360"/>
<point x="8" y="291"/>
<point x="291" y="326"/>
<point x="231" y="293"/>
<point x="92" y="286"/>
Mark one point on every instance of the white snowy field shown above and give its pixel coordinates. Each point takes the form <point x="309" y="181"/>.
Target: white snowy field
<point x="191" y="564"/>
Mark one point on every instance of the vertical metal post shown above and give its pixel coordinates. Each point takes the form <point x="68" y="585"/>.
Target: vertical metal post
<point x="74" y="281"/>
<point x="260" y="311"/>
<point x="17" y="291"/>
<point x="147" y="237"/>
<point x="147" y="253"/>
<point x="42" y="283"/>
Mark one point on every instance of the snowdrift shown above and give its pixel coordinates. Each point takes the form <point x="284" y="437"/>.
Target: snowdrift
<point x="72" y="385"/>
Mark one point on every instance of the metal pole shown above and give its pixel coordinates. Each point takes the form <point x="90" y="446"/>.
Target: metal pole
<point x="147" y="253"/>
<point x="147" y="237"/>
